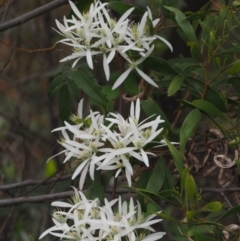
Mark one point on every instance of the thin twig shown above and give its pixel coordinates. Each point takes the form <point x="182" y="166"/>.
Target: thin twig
<point x="32" y="14"/>
<point x="35" y="199"/>
<point x="33" y="182"/>
<point x="49" y="197"/>
<point x="219" y="190"/>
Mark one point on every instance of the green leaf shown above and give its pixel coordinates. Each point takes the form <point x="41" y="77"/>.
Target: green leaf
<point x="121" y="7"/>
<point x="234" y="68"/>
<point x="196" y="87"/>
<point x="150" y="108"/>
<point x="83" y="5"/>
<point x="177" y="158"/>
<point x="146" y="198"/>
<point x="176" y="83"/>
<point x="50" y="168"/>
<point x="73" y="90"/>
<point x="64" y="103"/>
<point x="188" y="127"/>
<point x="85" y="81"/>
<point x="56" y="84"/>
<point x="169" y="180"/>
<point x="171" y="197"/>
<point x="207" y="107"/>
<point x="190" y="215"/>
<point x="213" y="206"/>
<point x="195" y="52"/>
<point x="190" y="188"/>
<point x="183" y="178"/>
<point x="157" y="178"/>
<point x="190" y="105"/>
<point x="230" y="212"/>
<point x="110" y="94"/>
<point x="185" y="26"/>
<point x="201" y="237"/>
<point x="166" y="216"/>
<point x="152" y="208"/>
<point x="160" y="65"/>
<point x="222" y="15"/>
<point x="207" y="25"/>
<point x="235" y="50"/>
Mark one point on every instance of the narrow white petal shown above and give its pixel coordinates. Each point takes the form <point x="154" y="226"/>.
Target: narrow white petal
<point x="166" y="42"/>
<point x="83" y="176"/>
<point x="146" y="77"/>
<point x="89" y="58"/>
<point x="149" y="13"/>
<point x="106" y="67"/>
<point x="142" y="24"/>
<point x="137" y="109"/>
<point x="76" y="11"/>
<point x="132" y="110"/>
<point x="123" y="17"/>
<point x="154" y="236"/>
<point x="111" y="55"/>
<point x="122" y="78"/>
<point x="61" y="204"/>
<point x="80" y="109"/>
<point x="155" y="22"/>
<point x="145" y="157"/>
<point x="79" y="168"/>
<point x="146" y="55"/>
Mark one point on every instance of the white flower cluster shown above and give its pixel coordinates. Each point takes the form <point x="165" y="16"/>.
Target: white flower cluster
<point x="97" y="145"/>
<point x="86" y="220"/>
<point x="95" y="32"/>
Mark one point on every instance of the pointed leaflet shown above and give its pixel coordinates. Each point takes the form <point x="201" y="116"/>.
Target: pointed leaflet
<point x="195" y="52"/>
<point x="230" y="212"/>
<point x="188" y="127"/>
<point x="177" y="158"/>
<point x="213" y="206"/>
<point x="234" y="68"/>
<point x="201" y="237"/>
<point x="56" y="84"/>
<point x="160" y="65"/>
<point x="196" y="87"/>
<point x="74" y="92"/>
<point x="208" y="107"/>
<point x="184" y="24"/>
<point x="85" y="81"/>
<point x="177" y="82"/>
<point x="190" y="190"/>
<point x="157" y="178"/>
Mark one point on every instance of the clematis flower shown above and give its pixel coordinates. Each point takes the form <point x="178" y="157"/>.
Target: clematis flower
<point x="85" y="219"/>
<point x="96" y="33"/>
<point x="134" y="66"/>
<point x="93" y="144"/>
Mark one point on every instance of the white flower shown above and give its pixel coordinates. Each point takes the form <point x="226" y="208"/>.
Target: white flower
<point x="134" y="65"/>
<point x="85" y="143"/>
<point x="95" y="32"/>
<point x="86" y="220"/>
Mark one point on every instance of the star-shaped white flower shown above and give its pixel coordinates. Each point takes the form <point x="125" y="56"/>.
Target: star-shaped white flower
<point x="134" y="66"/>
